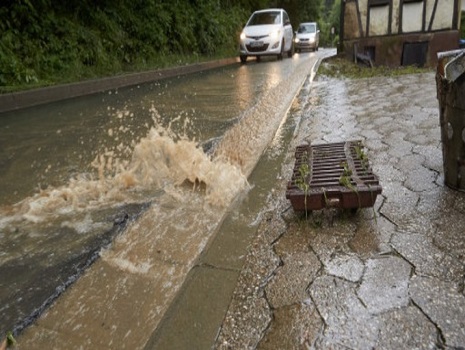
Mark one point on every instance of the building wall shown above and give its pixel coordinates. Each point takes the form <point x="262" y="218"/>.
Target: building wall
<point x="397" y="32"/>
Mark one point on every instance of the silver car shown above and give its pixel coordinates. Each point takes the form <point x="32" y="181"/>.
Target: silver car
<point x="307" y="37"/>
<point x="267" y="32"/>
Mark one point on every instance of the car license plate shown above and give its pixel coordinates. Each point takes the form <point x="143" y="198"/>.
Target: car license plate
<point x="256" y="43"/>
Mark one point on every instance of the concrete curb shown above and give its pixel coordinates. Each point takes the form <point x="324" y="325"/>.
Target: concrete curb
<point x="31" y="98"/>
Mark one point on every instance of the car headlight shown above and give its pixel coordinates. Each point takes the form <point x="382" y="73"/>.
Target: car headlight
<point x="242" y="36"/>
<point x="274" y="34"/>
<point x="296" y="40"/>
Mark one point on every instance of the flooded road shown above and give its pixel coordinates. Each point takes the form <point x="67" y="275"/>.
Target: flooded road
<point x="152" y="170"/>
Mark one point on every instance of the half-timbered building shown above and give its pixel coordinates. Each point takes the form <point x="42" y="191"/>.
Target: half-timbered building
<point x="399" y="32"/>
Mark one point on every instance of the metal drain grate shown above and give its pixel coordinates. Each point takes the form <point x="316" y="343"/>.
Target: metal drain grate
<point x="335" y="175"/>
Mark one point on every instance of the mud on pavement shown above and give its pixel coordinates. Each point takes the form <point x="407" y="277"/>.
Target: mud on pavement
<point x="391" y="277"/>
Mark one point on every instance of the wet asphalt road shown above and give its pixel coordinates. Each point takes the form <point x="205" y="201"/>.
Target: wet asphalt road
<point x="119" y="303"/>
<point x="338" y="281"/>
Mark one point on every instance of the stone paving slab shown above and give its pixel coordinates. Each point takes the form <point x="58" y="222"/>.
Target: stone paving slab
<point x="444" y="304"/>
<point x="385" y="284"/>
<point x="293" y="327"/>
<point x="407" y="328"/>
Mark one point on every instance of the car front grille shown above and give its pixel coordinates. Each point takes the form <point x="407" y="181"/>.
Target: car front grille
<point x="257" y="48"/>
<point x="257" y="37"/>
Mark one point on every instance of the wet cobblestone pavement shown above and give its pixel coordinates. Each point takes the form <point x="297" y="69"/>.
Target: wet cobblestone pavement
<point x="387" y="278"/>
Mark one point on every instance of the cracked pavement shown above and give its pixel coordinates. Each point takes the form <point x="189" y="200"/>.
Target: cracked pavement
<point x="387" y="278"/>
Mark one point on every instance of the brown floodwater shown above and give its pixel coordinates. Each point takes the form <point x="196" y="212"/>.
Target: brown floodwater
<point x="135" y="180"/>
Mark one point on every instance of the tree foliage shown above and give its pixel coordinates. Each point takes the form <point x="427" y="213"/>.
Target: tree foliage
<point x="331" y="10"/>
<point x="43" y="40"/>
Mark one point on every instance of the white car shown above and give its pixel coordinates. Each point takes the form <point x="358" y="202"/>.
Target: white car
<point x="307" y="37"/>
<point x="267" y="32"/>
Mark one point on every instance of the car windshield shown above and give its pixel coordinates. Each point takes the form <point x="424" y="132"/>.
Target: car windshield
<point x="261" y="18"/>
<point x="307" y="28"/>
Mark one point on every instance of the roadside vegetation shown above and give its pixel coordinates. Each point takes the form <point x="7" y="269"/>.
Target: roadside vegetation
<point x="338" y="67"/>
<point x="46" y="42"/>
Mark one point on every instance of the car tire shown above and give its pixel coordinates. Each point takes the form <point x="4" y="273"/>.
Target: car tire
<point x="243" y="58"/>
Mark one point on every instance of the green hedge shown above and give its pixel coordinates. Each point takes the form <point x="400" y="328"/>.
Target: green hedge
<point x="42" y="43"/>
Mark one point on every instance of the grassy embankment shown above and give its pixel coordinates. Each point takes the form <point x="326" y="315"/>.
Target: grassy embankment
<point x="338" y="67"/>
<point x="45" y="43"/>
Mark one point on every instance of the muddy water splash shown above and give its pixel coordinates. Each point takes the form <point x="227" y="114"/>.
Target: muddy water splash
<point x="160" y="160"/>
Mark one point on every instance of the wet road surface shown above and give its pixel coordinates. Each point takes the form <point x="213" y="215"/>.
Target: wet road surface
<point x="342" y="281"/>
<point x="128" y="292"/>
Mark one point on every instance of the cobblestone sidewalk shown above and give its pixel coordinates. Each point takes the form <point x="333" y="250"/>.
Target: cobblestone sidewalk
<point x="388" y="278"/>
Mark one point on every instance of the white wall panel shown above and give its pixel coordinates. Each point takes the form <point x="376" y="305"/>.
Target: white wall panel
<point x="379" y="20"/>
<point x="412" y="17"/>
<point x="444" y="15"/>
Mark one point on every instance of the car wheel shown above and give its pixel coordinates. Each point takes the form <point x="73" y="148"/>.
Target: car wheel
<point x="243" y="58"/>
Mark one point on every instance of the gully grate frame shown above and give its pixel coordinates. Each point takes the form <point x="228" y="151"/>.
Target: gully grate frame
<point x="333" y="175"/>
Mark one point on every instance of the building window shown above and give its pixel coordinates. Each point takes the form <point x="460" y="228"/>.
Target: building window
<point x="379" y="17"/>
<point x="413" y="16"/>
<point x="415" y="54"/>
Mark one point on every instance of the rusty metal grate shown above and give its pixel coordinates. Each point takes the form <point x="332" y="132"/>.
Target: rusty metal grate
<point x="335" y="175"/>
